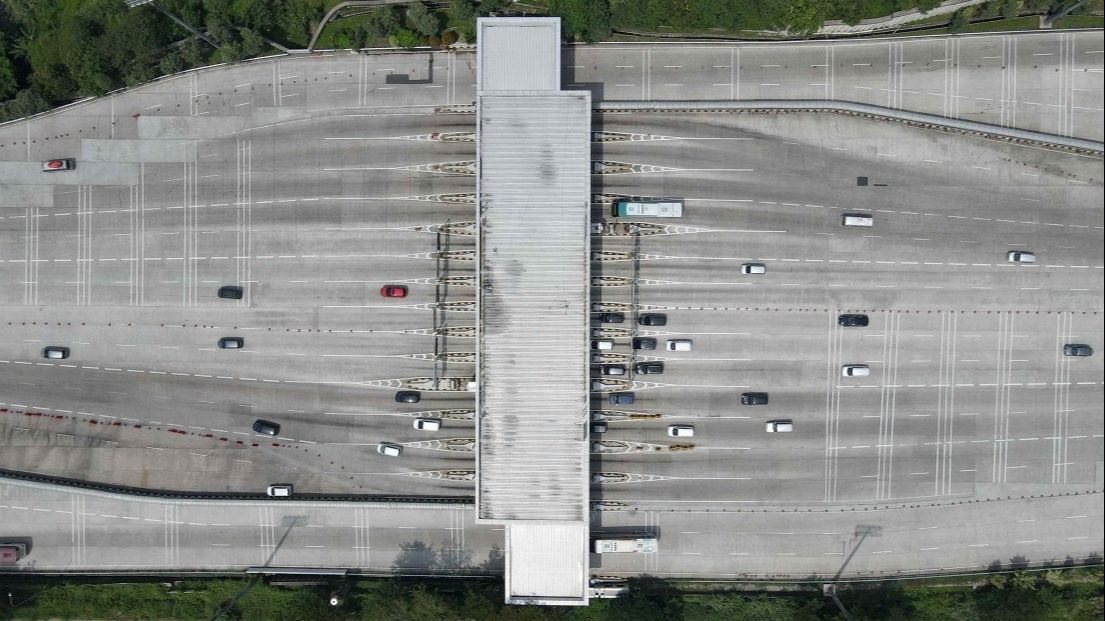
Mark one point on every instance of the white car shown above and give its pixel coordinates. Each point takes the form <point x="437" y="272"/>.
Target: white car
<point x="681" y="431"/>
<point x="602" y="344"/>
<point x="427" y="424"/>
<point x="679" y="344"/>
<point x="753" y="268"/>
<point x="55" y="352"/>
<point x="389" y="449"/>
<point x="1021" y="256"/>
<point x="612" y="369"/>
<point x="779" y="426"/>
<point x="855" y="370"/>
<point x="279" y="491"/>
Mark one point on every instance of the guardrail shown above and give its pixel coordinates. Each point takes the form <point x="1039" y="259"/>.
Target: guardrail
<point x="849" y="108"/>
<point x="185" y="495"/>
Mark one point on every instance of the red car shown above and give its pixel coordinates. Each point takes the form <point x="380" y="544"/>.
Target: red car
<point x="393" y="291"/>
<point x="59" y="164"/>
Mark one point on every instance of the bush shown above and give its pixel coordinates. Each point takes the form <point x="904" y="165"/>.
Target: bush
<point x="421" y="20"/>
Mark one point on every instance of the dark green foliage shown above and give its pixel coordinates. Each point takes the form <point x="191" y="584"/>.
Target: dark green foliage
<point x="1010" y="8"/>
<point x="583" y="20"/>
<point x="1066" y="595"/>
<point x="959" y="21"/>
<point x="421" y="20"/>
<point x="462" y="18"/>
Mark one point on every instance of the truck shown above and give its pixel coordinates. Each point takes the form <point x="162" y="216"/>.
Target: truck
<point x="665" y="208"/>
<point x="10" y="553"/>
<point x="643" y="545"/>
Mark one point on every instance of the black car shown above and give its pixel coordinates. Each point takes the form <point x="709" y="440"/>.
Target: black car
<point x="230" y="292"/>
<point x="266" y="427"/>
<point x="649" y="368"/>
<point x="754" y="398"/>
<point x="653" y="319"/>
<point x="849" y="320"/>
<point x="408" y="396"/>
<point x="621" y="398"/>
<point x="611" y="317"/>
<point x="1080" y="350"/>
<point x="644" y="342"/>
<point x="232" y="342"/>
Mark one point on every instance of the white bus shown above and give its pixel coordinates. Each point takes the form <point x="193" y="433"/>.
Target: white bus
<point x="657" y="209"/>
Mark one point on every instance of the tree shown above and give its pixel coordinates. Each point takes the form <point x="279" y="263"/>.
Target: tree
<point x="586" y="20"/>
<point x="252" y="42"/>
<point x="379" y="24"/>
<point x="960" y="20"/>
<point x="171" y="63"/>
<point x="1010" y="8"/>
<point x="803" y="17"/>
<point x="8" y="84"/>
<point x="421" y="20"/>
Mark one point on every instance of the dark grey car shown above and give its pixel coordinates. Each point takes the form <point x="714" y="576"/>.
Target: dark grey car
<point x="853" y="320"/>
<point x="754" y="398"/>
<point x="408" y="396"/>
<point x="649" y="368"/>
<point x="266" y="427"/>
<point x="653" y="319"/>
<point x="644" y="342"/>
<point x="611" y="317"/>
<point x="232" y="342"/>
<point x="230" y="292"/>
<point x="621" y="398"/>
<point x="1080" y="350"/>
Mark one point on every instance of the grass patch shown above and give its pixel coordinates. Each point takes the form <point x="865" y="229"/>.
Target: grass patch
<point x="1080" y="21"/>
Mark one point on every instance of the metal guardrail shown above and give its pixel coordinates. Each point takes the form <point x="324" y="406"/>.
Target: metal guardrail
<point x="849" y="108"/>
<point x="185" y="495"/>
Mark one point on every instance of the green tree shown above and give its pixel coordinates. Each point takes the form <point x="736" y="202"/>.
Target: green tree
<point x="252" y="42"/>
<point x="1010" y="8"/>
<point x="802" y="17"/>
<point x="421" y="20"/>
<point x="960" y="20"/>
<point x="585" y="20"/>
<point x="404" y="38"/>
<point x="25" y="103"/>
<point x="8" y="84"/>
<point x="462" y="18"/>
<point x="380" y="23"/>
<point x="171" y="63"/>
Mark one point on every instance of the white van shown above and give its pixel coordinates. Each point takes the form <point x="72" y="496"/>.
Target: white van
<point x="279" y="491"/>
<point x="753" y="268"/>
<point x="855" y="370"/>
<point x="857" y="219"/>
<point x="602" y="344"/>
<point x="779" y="426"/>
<point x="680" y="345"/>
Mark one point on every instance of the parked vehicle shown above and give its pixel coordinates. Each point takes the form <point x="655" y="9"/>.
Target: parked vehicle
<point x="598" y="427"/>
<point x="611" y="318"/>
<point x="649" y="368"/>
<point x="612" y="369"/>
<point x="653" y="319"/>
<point x="11" y="552"/>
<point x="644" y="343"/>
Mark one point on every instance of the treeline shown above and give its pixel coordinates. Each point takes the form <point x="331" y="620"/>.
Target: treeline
<point x="52" y="52"/>
<point x="1066" y="594"/>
